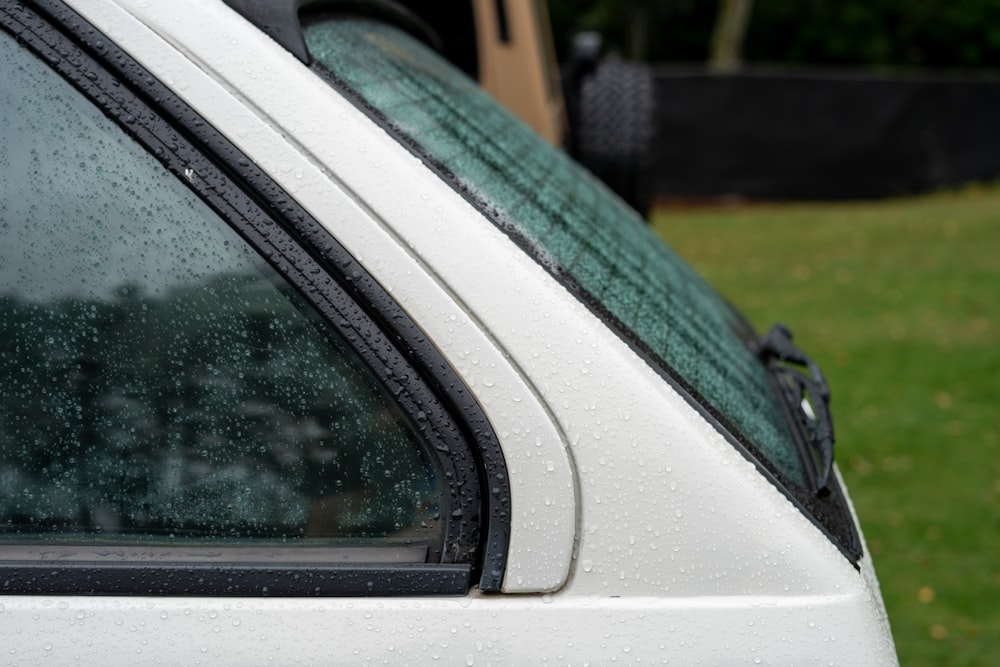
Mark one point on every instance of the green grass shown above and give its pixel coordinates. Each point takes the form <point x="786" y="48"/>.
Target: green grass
<point x="899" y="303"/>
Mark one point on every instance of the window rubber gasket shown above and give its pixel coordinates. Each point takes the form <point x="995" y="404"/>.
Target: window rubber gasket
<point x="370" y="321"/>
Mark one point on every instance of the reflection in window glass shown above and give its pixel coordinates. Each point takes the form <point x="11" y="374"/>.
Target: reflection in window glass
<point x="160" y="382"/>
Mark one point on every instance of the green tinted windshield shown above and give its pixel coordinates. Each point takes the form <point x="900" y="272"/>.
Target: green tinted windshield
<point x="570" y="222"/>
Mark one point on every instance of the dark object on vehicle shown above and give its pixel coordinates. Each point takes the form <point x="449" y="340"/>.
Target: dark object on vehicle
<point x="806" y="398"/>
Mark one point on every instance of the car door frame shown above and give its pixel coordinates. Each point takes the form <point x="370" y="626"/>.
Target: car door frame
<point x="341" y="290"/>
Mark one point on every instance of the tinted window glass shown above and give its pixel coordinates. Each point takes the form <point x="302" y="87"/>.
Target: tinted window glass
<point x="159" y="382"/>
<point x="569" y="220"/>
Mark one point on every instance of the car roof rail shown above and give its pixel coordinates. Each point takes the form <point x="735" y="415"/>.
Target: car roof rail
<point x="280" y="19"/>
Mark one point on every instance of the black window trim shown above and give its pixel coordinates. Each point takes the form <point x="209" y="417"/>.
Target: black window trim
<point x="233" y="579"/>
<point x="351" y="300"/>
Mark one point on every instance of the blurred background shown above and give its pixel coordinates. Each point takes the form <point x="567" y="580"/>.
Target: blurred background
<point x="788" y="99"/>
<point x="833" y="165"/>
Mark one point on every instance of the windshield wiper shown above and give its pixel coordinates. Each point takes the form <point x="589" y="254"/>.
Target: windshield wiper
<point x="806" y="396"/>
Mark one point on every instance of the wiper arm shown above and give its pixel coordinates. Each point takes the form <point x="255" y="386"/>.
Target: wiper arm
<point x="807" y="398"/>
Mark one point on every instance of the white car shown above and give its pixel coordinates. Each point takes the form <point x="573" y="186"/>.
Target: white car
<point x="311" y="354"/>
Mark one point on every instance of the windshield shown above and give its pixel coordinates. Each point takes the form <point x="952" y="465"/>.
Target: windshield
<point x="571" y="223"/>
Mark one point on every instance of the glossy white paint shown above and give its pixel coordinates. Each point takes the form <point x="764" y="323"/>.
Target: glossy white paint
<point x="500" y="630"/>
<point x="651" y="537"/>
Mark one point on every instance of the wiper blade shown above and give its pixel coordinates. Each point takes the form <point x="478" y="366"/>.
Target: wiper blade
<point x="807" y="399"/>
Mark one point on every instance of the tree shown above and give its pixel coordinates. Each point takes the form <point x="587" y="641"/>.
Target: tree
<point x="728" y="35"/>
<point x="883" y="33"/>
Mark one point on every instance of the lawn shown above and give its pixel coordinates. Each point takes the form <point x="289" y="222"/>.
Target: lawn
<point x="899" y="303"/>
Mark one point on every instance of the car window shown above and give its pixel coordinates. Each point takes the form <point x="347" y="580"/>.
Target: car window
<point x="161" y="385"/>
<point x="568" y="221"/>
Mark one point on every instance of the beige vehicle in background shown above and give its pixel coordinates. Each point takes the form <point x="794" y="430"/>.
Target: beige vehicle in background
<point x="517" y="63"/>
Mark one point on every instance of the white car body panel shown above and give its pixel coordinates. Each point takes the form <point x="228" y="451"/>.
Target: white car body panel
<point x="638" y="533"/>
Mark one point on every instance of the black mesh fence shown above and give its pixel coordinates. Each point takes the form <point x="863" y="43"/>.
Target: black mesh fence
<point x="809" y="135"/>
